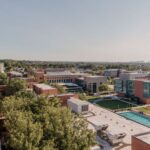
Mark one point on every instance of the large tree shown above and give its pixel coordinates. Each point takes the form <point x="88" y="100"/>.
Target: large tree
<point x="3" y="79"/>
<point x="15" y="85"/>
<point x="103" y="87"/>
<point x="41" y="124"/>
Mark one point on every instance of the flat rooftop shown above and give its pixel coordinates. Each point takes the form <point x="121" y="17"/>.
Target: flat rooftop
<point x="90" y="76"/>
<point x="44" y="86"/>
<point x="15" y="73"/>
<point x="61" y="73"/>
<point x="111" y="69"/>
<point x="145" y="137"/>
<point x="68" y="84"/>
<point x="116" y="123"/>
<point x="66" y="94"/>
<point x="78" y="101"/>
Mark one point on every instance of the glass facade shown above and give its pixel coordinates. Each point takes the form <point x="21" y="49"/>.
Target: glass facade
<point x="146" y="90"/>
<point x="130" y="87"/>
<point x="94" y="87"/>
<point x="124" y="86"/>
<point x="118" y="86"/>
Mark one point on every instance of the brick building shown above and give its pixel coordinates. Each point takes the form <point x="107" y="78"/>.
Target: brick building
<point x="44" y="89"/>
<point x="141" y="141"/>
<point x="64" y="97"/>
<point x="56" y="76"/>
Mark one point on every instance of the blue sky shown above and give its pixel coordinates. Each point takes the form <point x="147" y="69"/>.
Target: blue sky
<point x="75" y="30"/>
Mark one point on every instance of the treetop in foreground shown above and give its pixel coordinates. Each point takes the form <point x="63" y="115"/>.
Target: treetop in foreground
<point x="41" y="124"/>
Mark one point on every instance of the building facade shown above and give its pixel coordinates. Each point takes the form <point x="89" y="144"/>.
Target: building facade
<point x="136" y="85"/>
<point x="44" y="89"/>
<point x="113" y="72"/>
<point x="78" y="106"/>
<point x="54" y="77"/>
<point x="92" y="83"/>
<point x="64" y="98"/>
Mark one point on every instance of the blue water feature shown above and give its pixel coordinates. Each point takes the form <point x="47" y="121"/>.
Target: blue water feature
<point x="137" y="117"/>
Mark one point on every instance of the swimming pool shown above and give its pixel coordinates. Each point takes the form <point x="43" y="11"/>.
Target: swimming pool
<point x="139" y="118"/>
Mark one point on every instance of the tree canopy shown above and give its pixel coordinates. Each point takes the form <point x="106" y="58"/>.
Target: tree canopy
<point x="39" y="123"/>
<point x="3" y="79"/>
<point x="103" y="87"/>
<point x="15" y="85"/>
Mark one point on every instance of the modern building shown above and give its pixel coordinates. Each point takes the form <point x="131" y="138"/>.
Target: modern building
<point x="54" y="76"/>
<point x="141" y="141"/>
<point x="2" y="68"/>
<point x="61" y="77"/>
<point x="80" y="81"/>
<point x="113" y="72"/>
<point x="78" y="106"/>
<point x="134" y="84"/>
<point x="92" y="83"/>
<point x="69" y="79"/>
<point x="133" y="75"/>
<point x="44" y="89"/>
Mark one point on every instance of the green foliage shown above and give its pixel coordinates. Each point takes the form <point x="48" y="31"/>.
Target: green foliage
<point x="15" y="85"/>
<point x="38" y="123"/>
<point x="110" y="80"/>
<point x="3" y="79"/>
<point x="82" y="96"/>
<point x="24" y="133"/>
<point x="103" y="87"/>
<point x="8" y="65"/>
<point x="60" y="88"/>
<point x="25" y="94"/>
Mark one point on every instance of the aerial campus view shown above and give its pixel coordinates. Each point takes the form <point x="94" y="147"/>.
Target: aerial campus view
<point x="74" y="75"/>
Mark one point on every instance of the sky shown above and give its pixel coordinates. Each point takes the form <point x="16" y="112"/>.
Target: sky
<point x="75" y="30"/>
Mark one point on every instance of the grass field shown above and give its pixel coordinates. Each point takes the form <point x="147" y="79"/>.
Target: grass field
<point x="145" y="110"/>
<point x="113" y="104"/>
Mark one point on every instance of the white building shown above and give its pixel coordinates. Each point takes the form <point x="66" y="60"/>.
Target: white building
<point x="78" y="106"/>
<point x="133" y="75"/>
<point x="1" y="67"/>
<point x="92" y="83"/>
<point x="14" y="74"/>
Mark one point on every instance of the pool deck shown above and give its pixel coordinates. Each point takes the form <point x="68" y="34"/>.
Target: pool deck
<point x="117" y="124"/>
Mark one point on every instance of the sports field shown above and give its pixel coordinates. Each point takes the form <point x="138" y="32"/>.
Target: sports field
<point x="113" y="104"/>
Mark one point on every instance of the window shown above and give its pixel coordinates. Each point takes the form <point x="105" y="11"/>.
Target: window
<point x="146" y="90"/>
<point x="85" y="108"/>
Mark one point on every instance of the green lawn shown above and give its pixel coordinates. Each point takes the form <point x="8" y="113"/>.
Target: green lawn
<point x="113" y="104"/>
<point x="146" y="110"/>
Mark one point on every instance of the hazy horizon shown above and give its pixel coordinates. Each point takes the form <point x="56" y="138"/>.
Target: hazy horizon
<point x="66" y="30"/>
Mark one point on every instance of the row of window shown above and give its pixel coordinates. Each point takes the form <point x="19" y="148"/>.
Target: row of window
<point x="128" y="87"/>
<point x="61" y="81"/>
